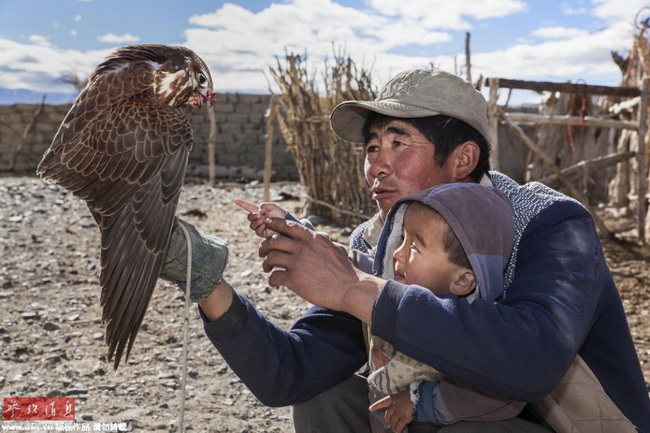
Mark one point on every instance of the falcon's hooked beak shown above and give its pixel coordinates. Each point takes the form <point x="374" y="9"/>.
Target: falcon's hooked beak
<point x="209" y="97"/>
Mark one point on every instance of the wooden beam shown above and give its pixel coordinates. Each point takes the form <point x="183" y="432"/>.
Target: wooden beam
<point x="594" y="164"/>
<point x="538" y="119"/>
<point x="583" y="89"/>
<point x="642" y="181"/>
<point x="493" y="118"/>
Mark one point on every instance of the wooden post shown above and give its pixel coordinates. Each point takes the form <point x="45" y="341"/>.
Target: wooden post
<point x="212" y="140"/>
<point x="620" y="193"/>
<point x="25" y="135"/>
<point x="493" y="117"/>
<point x="642" y="181"/>
<point x="468" y="62"/>
<point x="599" y="122"/>
<point x="270" y="133"/>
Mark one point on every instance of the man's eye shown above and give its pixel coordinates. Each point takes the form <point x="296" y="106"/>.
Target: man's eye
<point x="372" y="148"/>
<point x="413" y="246"/>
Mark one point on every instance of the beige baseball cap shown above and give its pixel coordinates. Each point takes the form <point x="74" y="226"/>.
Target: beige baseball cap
<point x="416" y="93"/>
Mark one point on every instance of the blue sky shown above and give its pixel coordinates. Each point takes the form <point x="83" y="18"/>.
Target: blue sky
<point x="43" y="41"/>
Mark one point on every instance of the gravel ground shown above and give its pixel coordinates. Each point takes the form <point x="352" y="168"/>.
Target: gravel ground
<point x="51" y="340"/>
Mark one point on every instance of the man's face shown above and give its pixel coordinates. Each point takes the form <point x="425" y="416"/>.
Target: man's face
<point x="399" y="162"/>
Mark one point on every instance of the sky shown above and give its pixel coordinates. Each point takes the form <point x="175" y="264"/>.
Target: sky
<point x="43" y="43"/>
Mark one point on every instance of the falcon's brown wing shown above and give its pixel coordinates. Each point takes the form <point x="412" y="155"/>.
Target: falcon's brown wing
<point x="126" y="157"/>
<point x="133" y="249"/>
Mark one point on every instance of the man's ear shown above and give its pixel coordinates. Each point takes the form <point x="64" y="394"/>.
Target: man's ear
<point x="465" y="158"/>
<point x="465" y="283"/>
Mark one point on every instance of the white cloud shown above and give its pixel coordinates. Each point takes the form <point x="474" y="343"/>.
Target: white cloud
<point x="240" y="45"/>
<point x="618" y="9"/>
<point x="111" y="38"/>
<point x="407" y="32"/>
<point x="579" y="9"/>
<point x="445" y="14"/>
<point x="575" y="11"/>
<point x="558" y="33"/>
<point x="77" y="18"/>
<point x="40" y="68"/>
<point x="43" y="41"/>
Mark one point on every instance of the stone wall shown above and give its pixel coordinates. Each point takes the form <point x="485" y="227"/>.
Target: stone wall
<point x="239" y="151"/>
<point x="240" y="144"/>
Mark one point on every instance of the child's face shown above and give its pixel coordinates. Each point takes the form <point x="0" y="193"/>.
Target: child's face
<point x="421" y="258"/>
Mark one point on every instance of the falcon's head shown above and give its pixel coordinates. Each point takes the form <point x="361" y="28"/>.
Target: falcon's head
<point x="201" y="81"/>
<point x="184" y="79"/>
<point x="179" y="76"/>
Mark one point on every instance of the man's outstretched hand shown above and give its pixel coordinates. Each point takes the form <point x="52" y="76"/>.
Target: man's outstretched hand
<point x="317" y="269"/>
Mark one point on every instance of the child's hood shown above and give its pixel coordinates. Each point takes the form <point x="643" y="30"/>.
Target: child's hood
<point x="479" y="215"/>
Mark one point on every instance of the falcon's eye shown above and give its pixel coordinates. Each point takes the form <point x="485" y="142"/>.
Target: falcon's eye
<point x="203" y="81"/>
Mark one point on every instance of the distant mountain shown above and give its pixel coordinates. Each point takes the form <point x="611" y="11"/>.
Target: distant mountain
<point x="22" y="96"/>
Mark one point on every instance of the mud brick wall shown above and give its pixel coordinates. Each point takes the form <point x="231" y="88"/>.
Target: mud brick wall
<point x="240" y="143"/>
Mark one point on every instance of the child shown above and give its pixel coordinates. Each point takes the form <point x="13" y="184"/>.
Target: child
<point x="454" y="240"/>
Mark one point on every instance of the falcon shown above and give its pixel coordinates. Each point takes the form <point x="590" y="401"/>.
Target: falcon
<point x="123" y="148"/>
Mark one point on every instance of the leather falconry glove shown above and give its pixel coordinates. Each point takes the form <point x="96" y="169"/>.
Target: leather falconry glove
<point x="209" y="259"/>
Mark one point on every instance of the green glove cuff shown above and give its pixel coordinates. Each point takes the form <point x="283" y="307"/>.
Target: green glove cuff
<point x="209" y="259"/>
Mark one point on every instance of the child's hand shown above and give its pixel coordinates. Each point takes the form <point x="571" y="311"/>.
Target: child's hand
<point x="257" y="216"/>
<point x="399" y="410"/>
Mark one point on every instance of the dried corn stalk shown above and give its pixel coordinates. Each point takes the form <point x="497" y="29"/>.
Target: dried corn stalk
<point x="330" y="169"/>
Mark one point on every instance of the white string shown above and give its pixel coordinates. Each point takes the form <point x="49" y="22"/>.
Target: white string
<point x="186" y="329"/>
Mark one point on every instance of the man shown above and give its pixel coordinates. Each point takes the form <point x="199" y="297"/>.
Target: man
<point x="559" y="300"/>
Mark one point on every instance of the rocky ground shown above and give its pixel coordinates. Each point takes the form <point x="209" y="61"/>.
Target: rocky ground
<point x="51" y="340"/>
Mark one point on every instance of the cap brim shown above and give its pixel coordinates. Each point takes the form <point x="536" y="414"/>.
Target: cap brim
<point x="349" y="117"/>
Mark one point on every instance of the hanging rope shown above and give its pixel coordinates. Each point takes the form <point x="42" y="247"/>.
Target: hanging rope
<point x="186" y="330"/>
